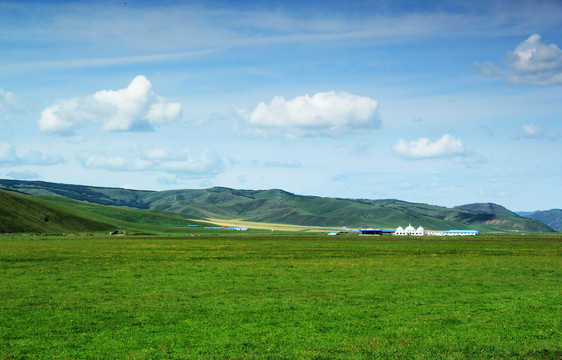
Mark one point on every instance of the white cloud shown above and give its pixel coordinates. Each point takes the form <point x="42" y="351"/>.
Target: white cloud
<point x="166" y="181"/>
<point x="208" y="164"/>
<point x="23" y="175"/>
<point x="533" y="131"/>
<point x="134" y="108"/>
<point x="324" y="114"/>
<point x="9" y="156"/>
<point x="100" y="161"/>
<point x="181" y="163"/>
<point x="282" y="164"/>
<point x="446" y="146"/>
<point x="434" y="185"/>
<point x="9" y="103"/>
<point x="473" y="160"/>
<point x="504" y="193"/>
<point x="532" y="62"/>
<point x="405" y="185"/>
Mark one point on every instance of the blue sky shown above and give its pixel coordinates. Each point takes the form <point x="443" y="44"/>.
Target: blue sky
<point x="445" y="103"/>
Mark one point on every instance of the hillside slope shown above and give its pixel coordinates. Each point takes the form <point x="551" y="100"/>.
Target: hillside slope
<point x="282" y="207"/>
<point x="23" y="214"/>
<point x="552" y="218"/>
<point x="494" y="215"/>
<point x="488" y="208"/>
<point x="20" y="213"/>
<point x="93" y="194"/>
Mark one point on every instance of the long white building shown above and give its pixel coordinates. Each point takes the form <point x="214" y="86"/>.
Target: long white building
<point x="410" y="231"/>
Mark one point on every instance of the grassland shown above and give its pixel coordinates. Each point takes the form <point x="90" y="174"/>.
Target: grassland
<point x="280" y="297"/>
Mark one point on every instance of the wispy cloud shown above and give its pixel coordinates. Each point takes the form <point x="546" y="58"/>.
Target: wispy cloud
<point x="446" y="146"/>
<point x="179" y="163"/>
<point x="135" y="108"/>
<point x="105" y="61"/>
<point x="106" y="35"/>
<point x="323" y="114"/>
<point x="533" y="131"/>
<point x="23" y="175"/>
<point x="9" y="103"/>
<point x="281" y="164"/>
<point x="9" y="156"/>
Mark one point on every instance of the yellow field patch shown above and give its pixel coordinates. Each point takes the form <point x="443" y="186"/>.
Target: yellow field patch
<point x="268" y="226"/>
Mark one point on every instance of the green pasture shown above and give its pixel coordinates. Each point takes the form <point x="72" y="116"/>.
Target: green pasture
<point x="280" y="297"/>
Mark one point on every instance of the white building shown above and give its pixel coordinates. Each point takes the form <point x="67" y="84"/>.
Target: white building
<point x="409" y="231"/>
<point x="452" y="233"/>
<point x="461" y="232"/>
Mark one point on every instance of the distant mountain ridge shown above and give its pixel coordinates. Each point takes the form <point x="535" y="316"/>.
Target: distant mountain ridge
<point x="489" y="208"/>
<point x="552" y="218"/>
<point x="282" y="207"/>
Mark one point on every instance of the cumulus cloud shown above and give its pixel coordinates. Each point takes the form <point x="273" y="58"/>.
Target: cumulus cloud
<point x="532" y="62"/>
<point x="446" y="146"/>
<point x="181" y="163"/>
<point x="323" y="114"/>
<point x="9" y="156"/>
<point x="134" y="108"/>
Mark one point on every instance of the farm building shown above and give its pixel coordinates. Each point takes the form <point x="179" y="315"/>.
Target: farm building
<point x="452" y="233"/>
<point x="238" y="228"/>
<point x="409" y="231"/>
<point x="460" y="232"/>
<point x="371" y="231"/>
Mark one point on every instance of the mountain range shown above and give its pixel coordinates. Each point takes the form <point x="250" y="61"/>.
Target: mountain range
<point x="271" y="206"/>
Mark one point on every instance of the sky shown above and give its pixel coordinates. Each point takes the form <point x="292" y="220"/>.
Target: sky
<point x="438" y="102"/>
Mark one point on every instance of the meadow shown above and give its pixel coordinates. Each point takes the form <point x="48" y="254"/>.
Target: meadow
<point x="279" y="296"/>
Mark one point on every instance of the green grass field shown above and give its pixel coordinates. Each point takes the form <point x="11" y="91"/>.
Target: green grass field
<point x="280" y="297"/>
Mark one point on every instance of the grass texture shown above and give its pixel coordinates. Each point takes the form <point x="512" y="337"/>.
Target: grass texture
<point x="280" y="297"/>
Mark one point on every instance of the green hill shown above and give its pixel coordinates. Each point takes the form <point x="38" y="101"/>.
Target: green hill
<point x="552" y="218"/>
<point x="20" y="213"/>
<point x="97" y="195"/>
<point x="488" y="208"/>
<point x="281" y="207"/>
<point x="23" y="214"/>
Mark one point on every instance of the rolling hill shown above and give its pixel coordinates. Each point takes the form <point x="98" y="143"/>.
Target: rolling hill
<point x="488" y="208"/>
<point x="282" y="207"/>
<point x="24" y="214"/>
